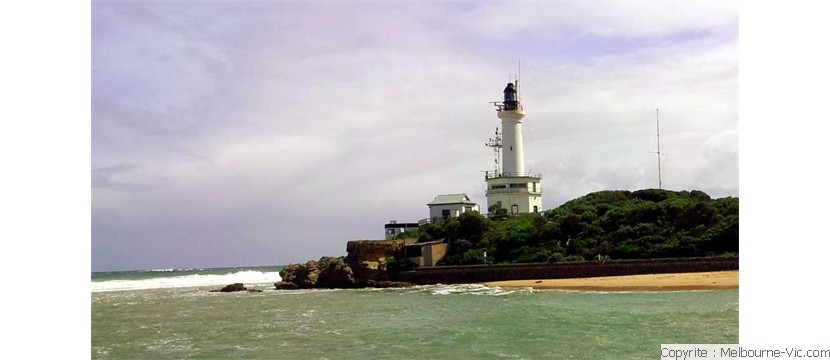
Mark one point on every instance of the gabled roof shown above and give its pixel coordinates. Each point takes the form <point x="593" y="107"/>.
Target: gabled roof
<point x="451" y="199"/>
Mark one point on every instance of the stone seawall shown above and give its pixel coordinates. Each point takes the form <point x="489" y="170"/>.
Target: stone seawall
<point x="485" y="273"/>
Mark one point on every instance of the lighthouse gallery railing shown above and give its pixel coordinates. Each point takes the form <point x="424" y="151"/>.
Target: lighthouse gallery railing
<point x="494" y="175"/>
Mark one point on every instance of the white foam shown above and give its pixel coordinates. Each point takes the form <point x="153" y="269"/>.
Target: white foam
<point x="466" y="289"/>
<point x="246" y="277"/>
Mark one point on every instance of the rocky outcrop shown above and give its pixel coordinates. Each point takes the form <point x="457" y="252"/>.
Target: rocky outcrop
<point x="304" y="276"/>
<point x="365" y="271"/>
<point x="282" y="285"/>
<point x="334" y="273"/>
<point x="388" y="284"/>
<point x="232" y="288"/>
<point x="368" y="259"/>
<point x="328" y="272"/>
<point x="364" y="266"/>
<point x="372" y="250"/>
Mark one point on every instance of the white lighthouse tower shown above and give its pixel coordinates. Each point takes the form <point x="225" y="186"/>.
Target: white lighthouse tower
<point x="510" y="187"/>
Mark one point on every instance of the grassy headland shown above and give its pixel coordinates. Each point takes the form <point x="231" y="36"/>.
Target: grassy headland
<point x="641" y="224"/>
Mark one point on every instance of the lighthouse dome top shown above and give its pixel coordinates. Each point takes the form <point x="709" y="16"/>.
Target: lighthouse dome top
<point x="511" y="100"/>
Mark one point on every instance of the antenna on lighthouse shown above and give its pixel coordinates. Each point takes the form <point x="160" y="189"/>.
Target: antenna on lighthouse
<point x="495" y="143"/>
<point x="518" y="88"/>
<point x="659" y="166"/>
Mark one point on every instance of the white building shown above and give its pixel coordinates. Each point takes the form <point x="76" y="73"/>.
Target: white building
<point x="450" y="206"/>
<point x="511" y="187"/>
<point x="394" y="228"/>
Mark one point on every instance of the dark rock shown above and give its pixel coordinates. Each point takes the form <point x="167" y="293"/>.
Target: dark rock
<point x="388" y="284"/>
<point x="254" y="290"/>
<point x="233" y="287"/>
<point x="282" y="285"/>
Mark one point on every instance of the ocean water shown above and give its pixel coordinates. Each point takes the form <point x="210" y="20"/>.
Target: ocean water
<point x="171" y="314"/>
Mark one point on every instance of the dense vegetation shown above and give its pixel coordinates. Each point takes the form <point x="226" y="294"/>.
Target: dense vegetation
<point x="619" y="224"/>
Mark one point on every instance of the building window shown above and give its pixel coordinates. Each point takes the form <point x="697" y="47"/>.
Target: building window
<point x="445" y="214"/>
<point x="514" y="209"/>
<point x="468" y="209"/>
<point x="534" y="187"/>
<point x="535" y="208"/>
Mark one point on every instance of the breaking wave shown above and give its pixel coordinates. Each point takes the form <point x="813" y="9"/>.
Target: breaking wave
<point x="467" y="289"/>
<point x="247" y="277"/>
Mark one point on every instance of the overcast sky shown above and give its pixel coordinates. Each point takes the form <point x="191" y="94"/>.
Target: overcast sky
<point x="228" y="134"/>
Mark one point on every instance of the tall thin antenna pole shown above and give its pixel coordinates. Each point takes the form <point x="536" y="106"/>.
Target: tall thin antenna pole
<point x="659" y="167"/>
<point x="518" y="89"/>
<point x="659" y="154"/>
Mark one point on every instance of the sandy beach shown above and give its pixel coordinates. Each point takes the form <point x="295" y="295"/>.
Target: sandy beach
<point x="719" y="280"/>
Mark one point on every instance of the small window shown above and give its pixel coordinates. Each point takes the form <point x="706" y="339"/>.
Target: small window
<point x="535" y="208"/>
<point x="514" y="209"/>
<point x="445" y="214"/>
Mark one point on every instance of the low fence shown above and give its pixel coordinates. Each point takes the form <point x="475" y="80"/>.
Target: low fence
<point x="485" y="273"/>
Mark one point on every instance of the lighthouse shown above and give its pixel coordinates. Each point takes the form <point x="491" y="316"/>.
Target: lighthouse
<point x="509" y="186"/>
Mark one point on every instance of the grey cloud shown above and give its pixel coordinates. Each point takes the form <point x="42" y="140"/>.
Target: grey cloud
<point x="610" y="19"/>
<point x="104" y="178"/>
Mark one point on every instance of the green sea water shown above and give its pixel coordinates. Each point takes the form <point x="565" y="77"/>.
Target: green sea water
<point x="424" y="322"/>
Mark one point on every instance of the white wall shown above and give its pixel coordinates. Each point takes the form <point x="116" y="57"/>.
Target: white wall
<point x="455" y="210"/>
<point x="512" y="153"/>
<point x="524" y="198"/>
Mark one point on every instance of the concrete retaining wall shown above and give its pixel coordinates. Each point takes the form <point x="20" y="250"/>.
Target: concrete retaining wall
<point x="484" y="273"/>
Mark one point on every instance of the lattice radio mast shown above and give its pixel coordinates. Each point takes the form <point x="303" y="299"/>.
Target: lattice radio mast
<point x="495" y="143"/>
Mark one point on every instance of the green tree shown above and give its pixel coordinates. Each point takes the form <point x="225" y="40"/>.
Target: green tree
<point x="625" y="225"/>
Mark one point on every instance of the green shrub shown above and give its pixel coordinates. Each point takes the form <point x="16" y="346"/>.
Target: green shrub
<point x="646" y="223"/>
